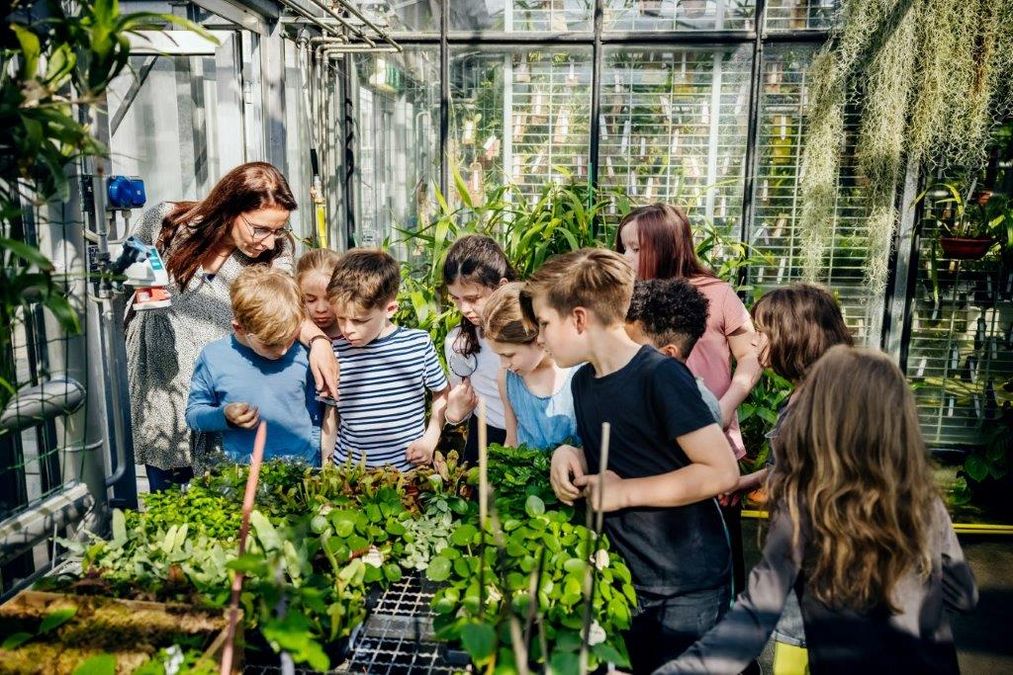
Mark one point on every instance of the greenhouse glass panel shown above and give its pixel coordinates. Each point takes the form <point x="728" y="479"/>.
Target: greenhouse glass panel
<point x="521" y="16"/>
<point x="519" y="117"/>
<point x="774" y="231"/>
<point x="673" y="128"/>
<point x="789" y="15"/>
<point x="397" y="136"/>
<point x="675" y="15"/>
<point x="412" y="15"/>
<point x="960" y="348"/>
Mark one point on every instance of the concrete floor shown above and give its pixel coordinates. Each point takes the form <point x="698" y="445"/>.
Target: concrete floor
<point x="985" y="637"/>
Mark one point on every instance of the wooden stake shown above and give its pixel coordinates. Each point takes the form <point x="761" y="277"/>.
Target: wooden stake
<point x="237" y="582"/>
<point x="483" y="501"/>
<point x="591" y="575"/>
<point x="483" y="466"/>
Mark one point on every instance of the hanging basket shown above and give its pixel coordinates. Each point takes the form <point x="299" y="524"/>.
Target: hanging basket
<point x="959" y="248"/>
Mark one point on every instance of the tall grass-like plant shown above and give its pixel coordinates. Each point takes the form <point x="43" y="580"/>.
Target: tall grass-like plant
<point x="563" y="217"/>
<point x="928" y="80"/>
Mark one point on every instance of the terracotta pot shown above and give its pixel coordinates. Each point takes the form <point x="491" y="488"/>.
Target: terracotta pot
<point x="959" y="248"/>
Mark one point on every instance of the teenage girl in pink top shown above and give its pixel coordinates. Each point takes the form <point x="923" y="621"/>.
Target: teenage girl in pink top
<point x="658" y="242"/>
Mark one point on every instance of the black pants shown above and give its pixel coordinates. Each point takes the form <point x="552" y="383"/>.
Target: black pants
<point x="665" y="627"/>
<point x="733" y="522"/>
<point x="493" y="435"/>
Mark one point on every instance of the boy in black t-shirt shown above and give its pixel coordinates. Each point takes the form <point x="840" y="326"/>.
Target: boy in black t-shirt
<point x="668" y="459"/>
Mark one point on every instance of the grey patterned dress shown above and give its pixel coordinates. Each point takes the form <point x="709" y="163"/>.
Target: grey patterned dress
<point x="162" y="349"/>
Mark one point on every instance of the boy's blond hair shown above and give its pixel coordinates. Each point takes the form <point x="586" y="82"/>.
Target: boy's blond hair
<point x="369" y="278"/>
<point x="596" y="279"/>
<point x="267" y="304"/>
<point x="503" y="319"/>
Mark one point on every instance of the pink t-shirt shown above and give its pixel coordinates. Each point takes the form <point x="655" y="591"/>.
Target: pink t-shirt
<point x="711" y="358"/>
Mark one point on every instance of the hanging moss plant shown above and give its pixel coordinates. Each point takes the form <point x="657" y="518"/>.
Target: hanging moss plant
<point x="928" y="80"/>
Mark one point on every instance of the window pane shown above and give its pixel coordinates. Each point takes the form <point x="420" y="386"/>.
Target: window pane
<point x="780" y="142"/>
<point x="668" y="15"/>
<point x="521" y="16"/>
<point x="673" y="128"/>
<point x="961" y="340"/>
<point x="398" y="128"/>
<point x="392" y="15"/>
<point x="786" y="15"/>
<point x="520" y="117"/>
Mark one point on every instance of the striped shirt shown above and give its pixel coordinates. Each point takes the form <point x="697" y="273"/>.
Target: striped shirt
<point x="383" y="396"/>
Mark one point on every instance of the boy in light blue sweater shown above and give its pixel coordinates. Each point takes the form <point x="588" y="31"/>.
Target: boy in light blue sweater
<point x="261" y="372"/>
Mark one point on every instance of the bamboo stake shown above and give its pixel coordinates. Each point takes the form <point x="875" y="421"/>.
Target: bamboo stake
<point x="483" y="501"/>
<point x="591" y="576"/>
<point x="237" y="582"/>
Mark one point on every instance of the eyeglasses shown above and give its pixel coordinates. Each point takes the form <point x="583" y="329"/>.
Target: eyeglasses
<point x="260" y="233"/>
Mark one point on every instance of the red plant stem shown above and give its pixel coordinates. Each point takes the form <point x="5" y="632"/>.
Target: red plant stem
<point x="237" y="581"/>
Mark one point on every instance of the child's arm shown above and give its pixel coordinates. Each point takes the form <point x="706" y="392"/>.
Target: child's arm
<point x="751" y="481"/>
<point x="960" y="593"/>
<point x="745" y="348"/>
<point x="204" y="412"/>
<point x="508" y="411"/>
<point x="421" y="451"/>
<point x="711" y="471"/>
<point x="328" y="434"/>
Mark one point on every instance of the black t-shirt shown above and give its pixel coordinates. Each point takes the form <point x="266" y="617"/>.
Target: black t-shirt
<point x="649" y="403"/>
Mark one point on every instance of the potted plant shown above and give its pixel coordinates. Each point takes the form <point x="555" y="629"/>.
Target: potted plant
<point x="968" y="227"/>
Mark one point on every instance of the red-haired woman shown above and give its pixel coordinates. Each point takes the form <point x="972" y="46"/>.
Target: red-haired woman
<point x="658" y="242"/>
<point x="205" y="245"/>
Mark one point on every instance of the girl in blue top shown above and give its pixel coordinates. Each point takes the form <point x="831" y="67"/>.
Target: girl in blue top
<point x="537" y="401"/>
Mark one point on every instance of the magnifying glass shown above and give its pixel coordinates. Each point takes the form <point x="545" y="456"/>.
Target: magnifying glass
<point x="462" y="365"/>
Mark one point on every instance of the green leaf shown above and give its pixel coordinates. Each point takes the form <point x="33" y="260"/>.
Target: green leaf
<point x="266" y="533"/>
<point x="27" y="252"/>
<point x="57" y="618"/>
<point x="30" y="50"/>
<point x="565" y="662"/>
<point x="439" y="569"/>
<point x="16" y="640"/>
<point x="479" y="641"/>
<point x="393" y="572"/>
<point x="103" y="664"/>
<point x="464" y="534"/>
<point x="534" y="506"/>
<point x="976" y="467"/>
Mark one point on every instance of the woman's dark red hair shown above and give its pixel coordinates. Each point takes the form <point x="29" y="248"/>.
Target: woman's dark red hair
<point x="666" y="243"/>
<point x="192" y="233"/>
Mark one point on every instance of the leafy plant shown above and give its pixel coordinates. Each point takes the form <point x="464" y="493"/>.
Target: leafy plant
<point x="757" y="416"/>
<point x="985" y="217"/>
<point x="52" y="73"/>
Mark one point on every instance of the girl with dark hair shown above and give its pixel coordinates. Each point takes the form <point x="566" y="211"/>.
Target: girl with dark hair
<point x="858" y="535"/>
<point x="205" y="245"/>
<point x="658" y="242"/>
<point x="475" y="267"/>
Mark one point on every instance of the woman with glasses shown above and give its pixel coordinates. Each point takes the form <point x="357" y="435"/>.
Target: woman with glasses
<point x="205" y="245"/>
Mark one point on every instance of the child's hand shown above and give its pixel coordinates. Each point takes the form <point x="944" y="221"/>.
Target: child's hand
<point x="611" y="498"/>
<point x="567" y="465"/>
<point x="461" y="401"/>
<point x="729" y="499"/>
<point x="242" y="415"/>
<point x="421" y="451"/>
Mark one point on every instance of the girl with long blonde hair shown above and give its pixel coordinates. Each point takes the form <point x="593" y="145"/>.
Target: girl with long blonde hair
<point x="858" y="533"/>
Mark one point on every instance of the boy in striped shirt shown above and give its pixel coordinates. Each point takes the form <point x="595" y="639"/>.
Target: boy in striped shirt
<point x="385" y="369"/>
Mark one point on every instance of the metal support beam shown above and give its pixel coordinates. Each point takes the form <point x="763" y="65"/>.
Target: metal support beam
<point x="750" y="161"/>
<point x="896" y="332"/>
<point x="597" y="60"/>
<point x="445" y="99"/>
<point x="236" y="12"/>
<point x="272" y="78"/>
